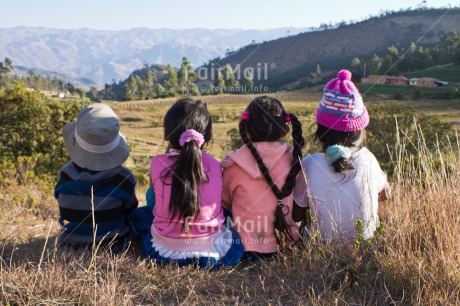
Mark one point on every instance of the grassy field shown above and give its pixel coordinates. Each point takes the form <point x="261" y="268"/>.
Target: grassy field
<point x="448" y="72"/>
<point x="415" y="262"/>
<point x="382" y="91"/>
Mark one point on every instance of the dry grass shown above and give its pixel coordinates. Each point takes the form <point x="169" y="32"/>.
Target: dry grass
<point x="416" y="262"/>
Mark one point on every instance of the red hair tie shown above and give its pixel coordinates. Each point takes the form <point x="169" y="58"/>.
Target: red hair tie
<point x="245" y="116"/>
<point x="287" y="118"/>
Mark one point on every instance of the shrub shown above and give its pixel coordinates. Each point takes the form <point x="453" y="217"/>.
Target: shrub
<point x="31" y="125"/>
<point x="394" y="124"/>
<point x="399" y="96"/>
<point x="235" y="141"/>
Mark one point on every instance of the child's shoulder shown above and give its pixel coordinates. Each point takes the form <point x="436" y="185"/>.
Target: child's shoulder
<point x="160" y="158"/>
<point x="209" y="159"/>
<point x="70" y="166"/>
<point x="314" y="158"/>
<point x="364" y="155"/>
<point x="125" y="171"/>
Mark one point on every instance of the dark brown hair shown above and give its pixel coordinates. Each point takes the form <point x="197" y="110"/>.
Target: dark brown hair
<point x="267" y="122"/>
<point x="327" y="137"/>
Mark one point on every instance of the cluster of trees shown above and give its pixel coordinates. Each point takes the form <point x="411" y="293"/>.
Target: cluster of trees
<point x="411" y="59"/>
<point x="5" y="68"/>
<point x="159" y="81"/>
<point x="150" y="82"/>
<point x="35" y="81"/>
<point x="29" y="127"/>
<point x="146" y="85"/>
<point x="224" y="81"/>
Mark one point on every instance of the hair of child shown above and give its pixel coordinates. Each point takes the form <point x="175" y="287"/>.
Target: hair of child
<point x="328" y="138"/>
<point x="265" y="120"/>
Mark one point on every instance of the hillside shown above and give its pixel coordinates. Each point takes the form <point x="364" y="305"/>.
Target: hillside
<point x="102" y="56"/>
<point x="294" y="57"/>
<point x="83" y="83"/>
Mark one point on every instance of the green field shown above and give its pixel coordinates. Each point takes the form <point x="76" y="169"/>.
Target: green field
<point x="450" y="73"/>
<point x="374" y="89"/>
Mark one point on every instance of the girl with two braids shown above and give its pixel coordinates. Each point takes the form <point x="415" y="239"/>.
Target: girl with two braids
<point x="259" y="178"/>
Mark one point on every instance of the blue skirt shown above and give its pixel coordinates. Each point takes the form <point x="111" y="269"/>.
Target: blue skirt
<point x="227" y="249"/>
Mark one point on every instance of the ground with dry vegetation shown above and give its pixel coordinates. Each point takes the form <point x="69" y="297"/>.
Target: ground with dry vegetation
<point x="415" y="261"/>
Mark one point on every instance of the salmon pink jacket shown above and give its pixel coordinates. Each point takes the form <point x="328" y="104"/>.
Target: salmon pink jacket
<point x="250" y="199"/>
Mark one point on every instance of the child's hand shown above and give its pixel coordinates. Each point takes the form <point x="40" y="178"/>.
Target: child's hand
<point x="384" y="194"/>
<point x="298" y="213"/>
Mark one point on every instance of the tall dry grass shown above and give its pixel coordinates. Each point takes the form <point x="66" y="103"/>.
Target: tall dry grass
<point x="417" y="260"/>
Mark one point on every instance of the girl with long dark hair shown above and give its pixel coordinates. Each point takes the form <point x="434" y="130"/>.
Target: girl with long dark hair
<point x="188" y="217"/>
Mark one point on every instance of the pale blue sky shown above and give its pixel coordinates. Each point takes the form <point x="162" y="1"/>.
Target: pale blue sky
<point x="183" y="14"/>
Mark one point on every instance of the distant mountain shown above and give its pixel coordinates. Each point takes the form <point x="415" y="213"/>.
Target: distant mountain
<point x="286" y="60"/>
<point x="102" y="56"/>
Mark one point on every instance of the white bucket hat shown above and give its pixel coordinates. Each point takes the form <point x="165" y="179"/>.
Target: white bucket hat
<point x="94" y="141"/>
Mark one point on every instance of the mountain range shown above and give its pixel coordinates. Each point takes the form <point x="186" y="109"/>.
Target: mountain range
<point x="107" y="56"/>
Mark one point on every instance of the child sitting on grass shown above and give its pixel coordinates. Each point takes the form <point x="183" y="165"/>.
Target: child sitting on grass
<point x="344" y="183"/>
<point x="259" y="178"/>
<point x="187" y="224"/>
<point x="94" y="188"/>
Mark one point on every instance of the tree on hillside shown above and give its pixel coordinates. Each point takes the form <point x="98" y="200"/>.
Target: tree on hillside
<point x="6" y="66"/>
<point x="94" y="94"/>
<point x="229" y="77"/>
<point x="318" y="70"/>
<point x="448" y="48"/>
<point x="390" y="61"/>
<point x="187" y="77"/>
<point x="80" y="93"/>
<point x="150" y="77"/>
<point x="249" y="80"/>
<point x="406" y="63"/>
<point x="422" y="59"/>
<point x="132" y="88"/>
<point x="218" y="81"/>
<point x="171" y="84"/>
<point x="70" y="88"/>
<point x="160" y="91"/>
<point x="356" y="69"/>
<point x="373" y="65"/>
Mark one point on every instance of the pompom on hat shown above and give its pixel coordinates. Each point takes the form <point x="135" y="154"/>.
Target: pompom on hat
<point x="342" y="108"/>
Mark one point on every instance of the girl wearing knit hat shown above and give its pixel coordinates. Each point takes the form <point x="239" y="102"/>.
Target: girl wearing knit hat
<point x="344" y="183"/>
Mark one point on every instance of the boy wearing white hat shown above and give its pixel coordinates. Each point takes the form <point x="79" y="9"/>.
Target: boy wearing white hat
<point x="95" y="181"/>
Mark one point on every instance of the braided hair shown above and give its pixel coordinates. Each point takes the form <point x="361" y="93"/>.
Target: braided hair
<point x="266" y="121"/>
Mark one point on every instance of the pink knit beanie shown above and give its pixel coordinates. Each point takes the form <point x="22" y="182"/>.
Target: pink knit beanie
<point x="342" y="107"/>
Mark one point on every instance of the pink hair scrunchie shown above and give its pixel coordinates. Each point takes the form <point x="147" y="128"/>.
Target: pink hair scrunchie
<point x="245" y="116"/>
<point x="287" y="119"/>
<point x="191" y="135"/>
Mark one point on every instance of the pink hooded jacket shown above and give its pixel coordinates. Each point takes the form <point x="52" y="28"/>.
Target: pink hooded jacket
<point x="247" y="195"/>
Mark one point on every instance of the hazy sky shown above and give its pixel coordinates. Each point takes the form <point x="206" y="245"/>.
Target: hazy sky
<point x="182" y="14"/>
